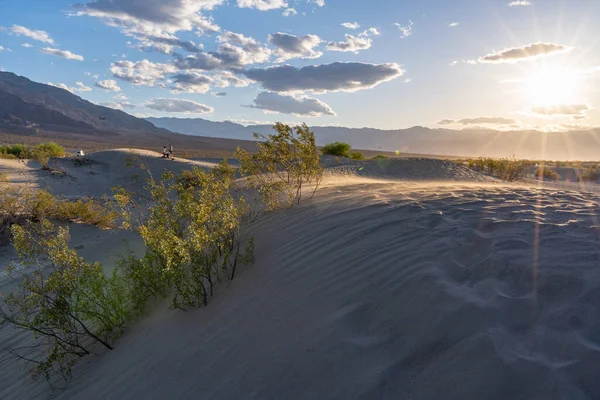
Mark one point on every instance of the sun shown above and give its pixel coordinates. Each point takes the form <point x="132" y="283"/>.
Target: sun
<point x="553" y="86"/>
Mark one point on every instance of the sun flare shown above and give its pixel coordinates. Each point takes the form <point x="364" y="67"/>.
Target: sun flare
<point x="553" y="87"/>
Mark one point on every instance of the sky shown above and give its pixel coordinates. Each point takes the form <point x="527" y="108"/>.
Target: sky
<point x="387" y="64"/>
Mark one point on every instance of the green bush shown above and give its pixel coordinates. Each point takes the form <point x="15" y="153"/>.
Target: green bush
<point x="544" y="172"/>
<point x="51" y="149"/>
<point x="68" y="307"/>
<point x="15" y="151"/>
<point x="509" y="169"/>
<point x="192" y="237"/>
<point x="380" y="157"/>
<point x="357" y="155"/>
<point x="340" y="149"/>
<point x="283" y="165"/>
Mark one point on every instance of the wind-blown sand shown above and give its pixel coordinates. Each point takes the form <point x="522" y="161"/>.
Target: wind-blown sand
<point x="456" y="287"/>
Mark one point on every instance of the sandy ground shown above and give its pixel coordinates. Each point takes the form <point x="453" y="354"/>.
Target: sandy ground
<point x="419" y="279"/>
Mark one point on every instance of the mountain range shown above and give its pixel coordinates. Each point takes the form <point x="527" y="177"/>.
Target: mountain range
<point x="41" y="111"/>
<point x="573" y="145"/>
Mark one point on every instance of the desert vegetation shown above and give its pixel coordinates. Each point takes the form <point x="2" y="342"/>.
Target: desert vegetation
<point x="17" y="206"/>
<point x="508" y="169"/>
<point x="194" y="234"/>
<point x="590" y="173"/>
<point x="545" y="172"/>
<point x="282" y="166"/>
<point x="342" y="149"/>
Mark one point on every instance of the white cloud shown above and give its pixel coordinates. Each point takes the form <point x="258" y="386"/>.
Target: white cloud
<point x="59" y="85"/>
<point x="27" y="45"/>
<point x="194" y="82"/>
<point x="346" y="77"/>
<point x="290" y="12"/>
<point x="178" y="106"/>
<point x="118" y="105"/>
<point x="479" y="121"/>
<point x="289" y="46"/>
<point x="109" y="84"/>
<point x="297" y="105"/>
<point x="561" y="110"/>
<point x="155" y="22"/>
<point x="320" y="3"/>
<point x="519" y="3"/>
<point x="235" y="52"/>
<point x="406" y="30"/>
<point x="453" y="63"/>
<point x="153" y="18"/>
<point x="226" y="78"/>
<point x="351" y="25"/>
<point x="40" y="36"/>
<point x="1" y="48"/>
<point x="62" y="53"/>
<point x="528" y="52"/>
<point x="354" y="43"/>
<point x="82" y="88"/>
<point x="263" y="5"/>
<point x="143" y="72"/>
<point x="120" y="96"/>
<point x="453" y="24"/>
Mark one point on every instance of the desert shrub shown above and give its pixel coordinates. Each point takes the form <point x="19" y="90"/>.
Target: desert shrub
<point x="283" y="165"/>
<point x="544" y="172"/>
<point x="509" y="169"/>
<point x="20" y="205"/>
<point x="192" y="236"/>
<point x="68" y="308"/>
<point x="340" y="149"/>
<point x="380" y="157"/>
<point x="590" y="173"/>
<point x="4" y="178"/>
<point x="17" y="151"/>
<point x="51" y="149"/>
<point x="357" y="155"/>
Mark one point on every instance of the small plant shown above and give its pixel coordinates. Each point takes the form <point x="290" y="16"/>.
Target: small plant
<point x="357" y="155"/>
<point x="340" y="149"/>
<point x="544" y="172"/>
<point x="66" y="308"/>
<point x="283" y="165"/>
<point x="380" y="157"/>
<point x="590" y="173"/>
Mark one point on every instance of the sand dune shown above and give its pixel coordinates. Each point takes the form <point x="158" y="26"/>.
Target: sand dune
<point x="442" y="283"/>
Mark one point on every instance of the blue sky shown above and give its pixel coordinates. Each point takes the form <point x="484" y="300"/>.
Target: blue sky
<point x="377" y="63"/>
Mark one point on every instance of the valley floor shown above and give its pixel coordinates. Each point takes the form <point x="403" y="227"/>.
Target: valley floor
<point x="407" y="279"/>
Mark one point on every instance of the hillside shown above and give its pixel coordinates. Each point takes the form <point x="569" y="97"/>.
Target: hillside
<point x="52" y="100"/>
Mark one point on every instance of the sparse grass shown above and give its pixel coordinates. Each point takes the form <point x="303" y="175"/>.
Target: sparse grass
<point x="508" y="169"/>
<point x="20" y="205"/>
<point x="545" y="172"/>
<point x="590" y="173"/>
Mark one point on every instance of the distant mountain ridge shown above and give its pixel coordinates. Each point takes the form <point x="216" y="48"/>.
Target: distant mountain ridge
<point x="574" y="145"/>
<point x="26" y="102"/>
